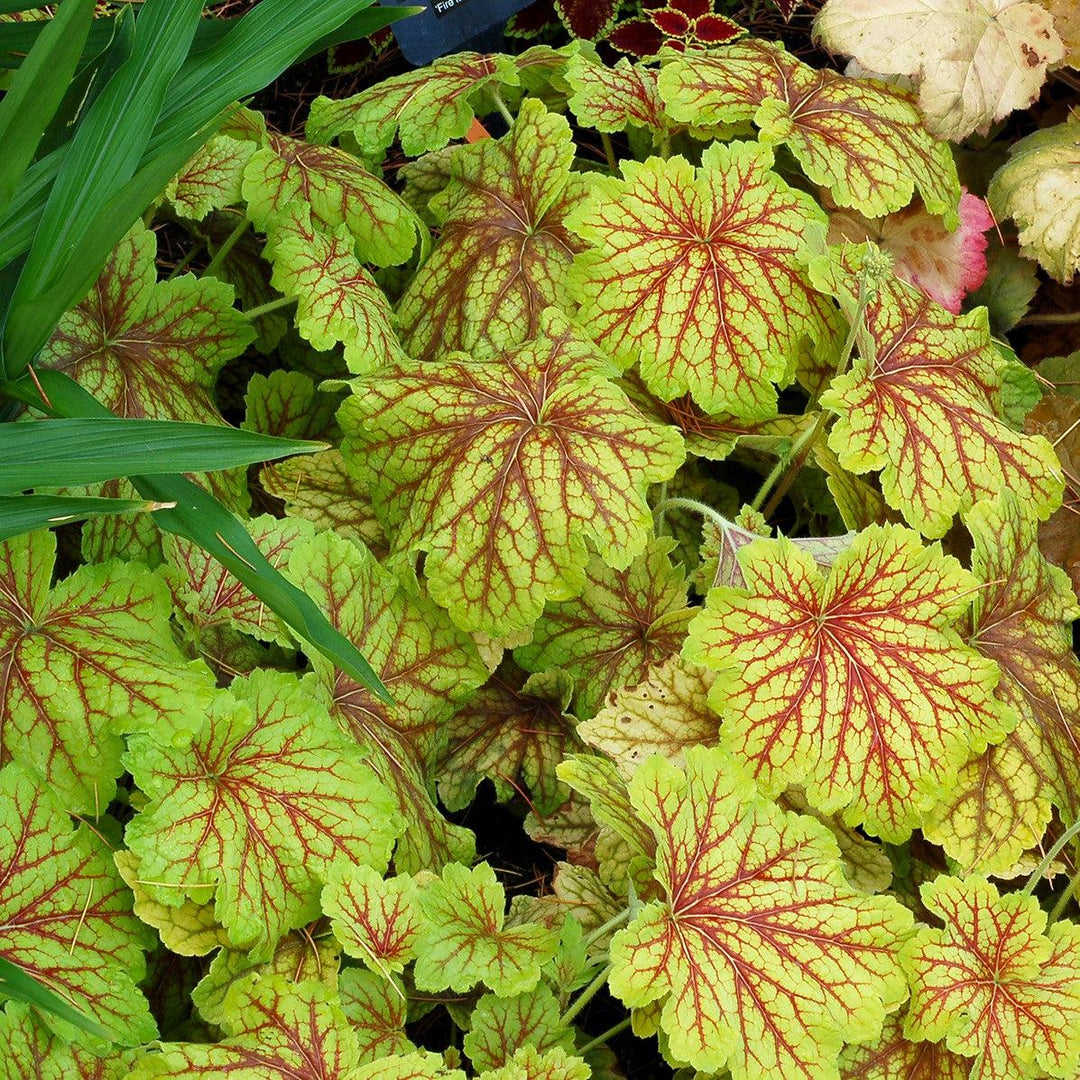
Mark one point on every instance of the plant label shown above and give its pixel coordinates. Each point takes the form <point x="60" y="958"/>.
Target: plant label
<point x="445" y="25"/>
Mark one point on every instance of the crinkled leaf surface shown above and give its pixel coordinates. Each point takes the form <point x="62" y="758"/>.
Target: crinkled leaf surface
<point x="609" y="98"/>
<point x="995" y="983"/>
<point x="146" y="348"/>
<point x="424" y="109"/>
<point x="893" y="1056"/>
<point x="212" y="179"/>
<point x="528" y="1063"/>
<point x="696" y="274"/>
<point x="504" y="251"/>
<point x="465" y="941"/>
<point x="862" y="140"/>
<point x="83" y="660"/>
<point x="923" y="403"/>
<point x="266" y="797"/>
<point x="419" y="1065"/>
<point x="427" y="665"/>
<point x="500" y="469"/>
<point x="287" y="403"/>
<point x="856" y="684"/>
<point x="65" y="914"/>
<point x="765" y="958"/>
<point x="1000" y="803"/>
<point x="500" y="1026"/>
<point x="376" y="1008"/>
<point x="622" y="623"/>
<point x="974" y="60"/>
<point x="514" y="731"/>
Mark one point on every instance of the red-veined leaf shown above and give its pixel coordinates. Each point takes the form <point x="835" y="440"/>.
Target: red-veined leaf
<point x="500" y="1026"/>
<point x="893" y="1056"/>
<point x="376" y="1007"/>
<point x="609" y="98"/>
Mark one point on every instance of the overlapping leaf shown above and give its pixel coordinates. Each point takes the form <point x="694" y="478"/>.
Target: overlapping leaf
<point x="609" y="98"/>
<point x="995" y="983"/>
<point x="696" y="274"/>
<point x="504" y="251"/>
<point x="501" y="1026"/>
<point x="923" y="403"/>
<point x="65" y="915"/>
<point x="856" y="684"/>
<point x="622" y="623"/>
<point x="419" y="1065"/>
<point x="212" y="179"/>
<point x="255" y="810"/>
<point x="82" y="661"/>
<point x="1000" y="803"/>
<point x="528" y="1063"/>
<point x="376" y="1008"/>
<point x="893" y="1056"/>
<point x="764" y="957"/>
<point x="862" y="140"/>
<point x="500" y="469"/>
<point x="427" y="665"/>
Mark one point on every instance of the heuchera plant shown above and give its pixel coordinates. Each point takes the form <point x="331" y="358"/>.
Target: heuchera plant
<point x="677" y="488"/>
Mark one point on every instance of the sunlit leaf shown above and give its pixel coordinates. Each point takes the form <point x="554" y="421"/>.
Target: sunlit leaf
<point x="528" y="1063"/>
<point x="893" y="1056"/>
<point x="211" y="180"/>
<point x="609" y="98"/>
<point x="501" y="1026"/>
<point x="376" y="1008"/>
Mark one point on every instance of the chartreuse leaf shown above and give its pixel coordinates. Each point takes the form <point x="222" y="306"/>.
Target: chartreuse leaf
<point x="698" y="275"/>
<point x="419" y="1065"/>
<point x="213" y="177"/>
<point x="611" y="98"/>
<point x="622" y="623"/>
<point x="923" y="404"/>
<point x="765" y="959"/>
<point x="267" y="795"/>
<point x="426" y="663"/>
<point x="425" y="109"/>
<point x="274" y="1027"/>
<point x="1000" y="803"/>
<point x="500" y="1026"/>
<point x="65" y="915"/>
<point x="465" y="941"/>
<point x="339" y="190"/>
<point x="856" y="684"/>
<point x="500" y="469"/>
<point x="862" y="140"/>
<point x="376" y="1007"/>
<point x="995" y="983"/>
<point x="83" y="660"/>
<point x="528" y="1063"/>
<point x="504" y="251"/>
<point x="893" y="1056"/>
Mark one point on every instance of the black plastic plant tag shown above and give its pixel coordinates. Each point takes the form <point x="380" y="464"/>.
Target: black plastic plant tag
<point x="445" y="25"/>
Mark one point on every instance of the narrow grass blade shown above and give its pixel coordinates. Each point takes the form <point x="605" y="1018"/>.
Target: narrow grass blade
<point x="16" y="983"/>
<point x="25" y="513"/>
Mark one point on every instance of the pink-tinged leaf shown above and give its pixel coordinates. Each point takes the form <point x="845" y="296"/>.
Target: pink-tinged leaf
<point x="995" y="983"/>
<point x="1001" y="802"/>
<point x="697" y="274"/>
<point x="945" y="265"/>
<point x="513" y="731"/>
<point x="856" y="684"/>
<point x="65" y="914"/>
<point x="862" y="140"/>
<point x="588" y="20"/>
<point x="428" y="666"/>
<point x="500" y="469"/>
<point x="764" y="958"/>
<point x="501" y="1026"/>
<point x="425" y="109"/>
<point x="465" y="941"/>
<point x="82" y="662"/>
<point x="923" y="404"/>
<point x="376" y="1007"/>
<point x="274" y="1027"/>
<point x="610" y="98"/>
<point x="256" y="809"/>
<point x="504" y="252"/>
<point x="146" y="348"/>
<point x="376" y="920"/>
<point x="211" y="179"/>
<point x="893" y="1056"/>
<point x="339" y="190"/>
<point x="622" y="623"/>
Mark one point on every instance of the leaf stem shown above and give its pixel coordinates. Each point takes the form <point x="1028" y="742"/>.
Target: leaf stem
<point x="507" y="115"/>
<point x="1062" y="901"/>
<point x="1070" y="833"/>
<point x="600" y="931"/>
<point x="227" y="245"/>
<point x="609" y="151"/>
<point x="1051" y="318"/>
<point x="270" y="305"/>
<point x="185" y="262"/>
<point x="677" y="502"/>
<point x="611" y="1032"/>
<point x="585" y="996"/>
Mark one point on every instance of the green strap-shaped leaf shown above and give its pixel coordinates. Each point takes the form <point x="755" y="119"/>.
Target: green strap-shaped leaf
<point x="25" y="513"/>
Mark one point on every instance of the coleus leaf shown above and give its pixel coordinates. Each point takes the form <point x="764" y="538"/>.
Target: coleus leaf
<point x="82" y="661"/>
<point x="528" y="1063"/>
<point x="610" y="98"/>
<point x="500" y="1026"/>
<point x="922" y="403"/>
<point x="1000" y="802"/>
<point x="974" y="61"/>
<point x="274" y="1028"/>
<point x="339" y="191"/>
<point x="514" y="731"/>
<point x="588" y="20"/>
<point x="995" y="983"/>
<point x="765" y="958"/>
<point x="893" y="1056"/>
<point x="622" y="623"/>
<point x="466" y="942"/>
<point x="697" y="275"/>
<point x="268" y="794"/>
<point x="856" y="684"/>
<point x="146" y="348"/>
<point x="212" y="179"/>
<point x="65" y="915"/>
<point x="427" y="665"/>
<point x="425" y="109"/>
<point x="504" y="252"/>
<point x="862" y="140"/>
<point x="376" y="1007"/>
<point x="543" y="451"/>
